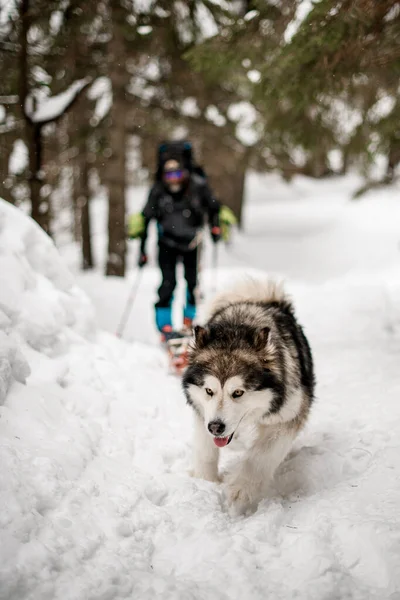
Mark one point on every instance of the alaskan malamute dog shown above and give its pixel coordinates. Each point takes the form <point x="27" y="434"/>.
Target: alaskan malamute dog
<point x="250" y="369"/>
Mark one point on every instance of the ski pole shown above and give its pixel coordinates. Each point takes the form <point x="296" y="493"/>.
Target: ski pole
<point x="129" y="304"/>
<point x="214" y="267"/>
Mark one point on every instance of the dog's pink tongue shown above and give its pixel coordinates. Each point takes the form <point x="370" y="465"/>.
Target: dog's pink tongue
<point x="220" y="442"/>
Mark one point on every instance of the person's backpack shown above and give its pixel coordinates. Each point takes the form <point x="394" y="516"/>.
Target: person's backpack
<point x="182" y="152"/>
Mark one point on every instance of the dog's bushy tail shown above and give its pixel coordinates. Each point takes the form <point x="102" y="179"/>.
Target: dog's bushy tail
<point x="251" y="290"/>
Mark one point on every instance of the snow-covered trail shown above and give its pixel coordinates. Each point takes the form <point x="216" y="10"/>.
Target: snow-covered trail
<point x="96" y="502"/>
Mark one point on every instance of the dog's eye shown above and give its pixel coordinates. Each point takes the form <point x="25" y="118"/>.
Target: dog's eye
<point x="209" y="392"/>
<point x="237" y="393"/>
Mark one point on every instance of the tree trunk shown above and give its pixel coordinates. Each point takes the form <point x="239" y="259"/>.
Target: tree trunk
<point x="393" y="158"/>
<point x="6" y="145"/>
<point x="345" y="160"/>
<point x="77" y="134"/>
<point x="76" y="193"/>
<point x="238" y="198"/>
<point x="148" y="149"/>
<point x="226" y="168"/>
<point x="81" y="191"/>
<point x="317" y="165"/>
<point x="228" y="186"/>
<point x="86" y="229"/>
<point x="40" y="207"/>
<point x="115" y="175"/>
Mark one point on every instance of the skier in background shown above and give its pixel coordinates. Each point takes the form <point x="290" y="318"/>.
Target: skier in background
<point x="181" y="202"/>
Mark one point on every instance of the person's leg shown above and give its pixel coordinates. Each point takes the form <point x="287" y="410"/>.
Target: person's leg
<point x="167" y="262"/>
<point x="190" y="266"/>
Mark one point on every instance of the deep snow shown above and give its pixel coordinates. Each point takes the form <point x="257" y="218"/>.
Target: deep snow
<point x="95" y="498"/>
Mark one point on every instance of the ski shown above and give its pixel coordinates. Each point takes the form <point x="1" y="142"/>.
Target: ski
<point x="177" y="347"/>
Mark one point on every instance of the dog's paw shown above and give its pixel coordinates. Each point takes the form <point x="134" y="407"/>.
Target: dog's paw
<point x="242" y="497"/>
<point x="238" y="500"/>
<point x="207" y="474"/>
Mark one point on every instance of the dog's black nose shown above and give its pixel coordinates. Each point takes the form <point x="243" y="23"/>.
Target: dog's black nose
<point x="216" y="427"/>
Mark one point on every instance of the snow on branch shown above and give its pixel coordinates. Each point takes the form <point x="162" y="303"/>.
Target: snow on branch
<point x="382" y="108"/>
<point x="244" y="115"/>
<point x="213" y="115"/>
<point x="11" y="99"/>
<point x="101" y="92"/>
<point x="10" y="125"/>
<point x="143" y="6"/>
<point x="189" y="107"/>
<point x="51" y="109"/>
<point x="205" y="22"/>
<point x="302" y="11"/>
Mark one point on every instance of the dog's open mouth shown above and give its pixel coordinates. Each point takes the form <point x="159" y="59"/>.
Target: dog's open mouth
<point x="223" y="441"/>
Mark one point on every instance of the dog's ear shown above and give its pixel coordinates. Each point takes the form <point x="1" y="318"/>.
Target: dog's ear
<point x="200" y="336"/>
<point x="261" y="338"/>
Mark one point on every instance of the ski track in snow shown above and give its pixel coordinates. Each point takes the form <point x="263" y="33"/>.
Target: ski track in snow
<point x="96" y="503"/>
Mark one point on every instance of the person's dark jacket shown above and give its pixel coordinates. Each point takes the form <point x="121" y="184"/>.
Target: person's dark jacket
<point x="180" y="216"/>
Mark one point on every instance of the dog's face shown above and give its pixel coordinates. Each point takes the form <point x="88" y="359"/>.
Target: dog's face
<point x="226" y="381"/>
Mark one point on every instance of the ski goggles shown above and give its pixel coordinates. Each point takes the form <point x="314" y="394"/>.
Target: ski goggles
<point x="176" y="175"/>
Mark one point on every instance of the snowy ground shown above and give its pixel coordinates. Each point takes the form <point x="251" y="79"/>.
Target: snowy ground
<point x="95" y="500"/>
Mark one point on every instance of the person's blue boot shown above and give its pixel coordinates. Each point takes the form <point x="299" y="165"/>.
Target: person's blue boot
<point x="164" y="318"/>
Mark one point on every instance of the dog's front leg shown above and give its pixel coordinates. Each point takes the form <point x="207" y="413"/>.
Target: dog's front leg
<point x="248" y="483"/>
<point x="205" y="453"/>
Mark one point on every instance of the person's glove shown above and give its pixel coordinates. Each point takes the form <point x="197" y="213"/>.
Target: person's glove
<point x="136" y="226"/>
<point x="216" y="234"/>
<point x="227" y="220"/>
<point x="142" y="260"/>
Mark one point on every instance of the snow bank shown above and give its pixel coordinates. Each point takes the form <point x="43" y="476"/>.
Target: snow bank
<point x="70" y="401"/>
<point x="43" y="315"/>
<point x="39" y="302"/>
<point x="41" y="310"/>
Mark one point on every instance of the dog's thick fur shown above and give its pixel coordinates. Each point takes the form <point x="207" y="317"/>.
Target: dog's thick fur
<point x="250" y="369"/>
